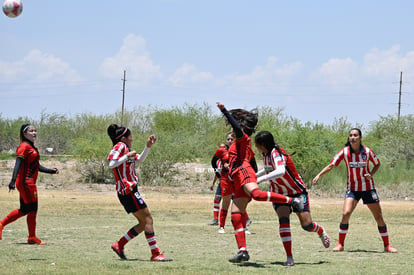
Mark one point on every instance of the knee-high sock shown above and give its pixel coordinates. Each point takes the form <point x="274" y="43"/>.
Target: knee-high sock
<point x="13" y="215"/>
<point x="314" y="227"/>
<point x="259" y="195"/>
<point x="286" y="236"/>
<point x="216" y="207"/>
<point x="223" y="216"/>
<point x="384" y="234"/>
<point x="343" y="230"/>
<point x="127" y="237"/>
<point x="152" y="242"/>
<point x="31" y="223"/>
<point x="236" y="220"/>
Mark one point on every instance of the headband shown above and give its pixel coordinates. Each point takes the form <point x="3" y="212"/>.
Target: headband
<point x="123" y="133"/>
<point x="26" y="128"/>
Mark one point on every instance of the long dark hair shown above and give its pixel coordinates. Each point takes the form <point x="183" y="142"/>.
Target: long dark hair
<point x="359" y="132"/>
<point x="23" y="130"/>
<point x="116" y="132"/>
<point x="246" y="119"/>
<point x="266" y="139"/>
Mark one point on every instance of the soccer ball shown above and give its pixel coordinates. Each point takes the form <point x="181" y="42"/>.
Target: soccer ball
<point x="12" y="8"/>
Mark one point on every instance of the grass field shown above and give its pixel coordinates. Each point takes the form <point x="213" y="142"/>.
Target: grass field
<point x="79" y="228"/>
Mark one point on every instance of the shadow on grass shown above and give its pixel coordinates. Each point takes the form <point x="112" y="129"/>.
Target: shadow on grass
<point x="251" y="264"/>
<point x="301" y="263"/>
<point x="364" y="251"/>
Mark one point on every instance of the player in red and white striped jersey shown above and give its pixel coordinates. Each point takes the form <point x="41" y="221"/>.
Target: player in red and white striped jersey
<point x="280" y="170"/>
<point x="122" y="160"/>
<point x="360" y="185"/>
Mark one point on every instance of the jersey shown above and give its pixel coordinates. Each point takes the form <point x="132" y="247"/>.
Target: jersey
<point x="357" y="165"/>
<point x="29" y="168"/>
<point x="222" y="155"/>
<point x="290" y="183"/>
<point x="125" y="175"/>
<point x="240" y="154"/>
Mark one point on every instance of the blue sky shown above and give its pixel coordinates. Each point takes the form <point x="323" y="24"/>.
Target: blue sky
<point x="318" y="60"/>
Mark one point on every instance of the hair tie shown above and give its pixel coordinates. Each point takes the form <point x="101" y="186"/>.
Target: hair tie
<point x="123" y="133"/>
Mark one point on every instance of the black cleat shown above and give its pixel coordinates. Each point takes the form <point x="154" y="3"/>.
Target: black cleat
<point x="241" y="256"/>
<point x="297" y="205"/>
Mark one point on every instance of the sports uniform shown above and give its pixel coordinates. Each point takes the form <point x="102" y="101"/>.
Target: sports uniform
<point x="281" y="172"/>
<point x="24" y="177"/>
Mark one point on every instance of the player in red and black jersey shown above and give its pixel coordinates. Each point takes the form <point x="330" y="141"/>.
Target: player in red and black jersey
<point x="284" y="179"/>
<point x="360" y="185"/>
<point x="24" y="177"/>
<point x="244" y="178"/>
<point x="122" y="161"/>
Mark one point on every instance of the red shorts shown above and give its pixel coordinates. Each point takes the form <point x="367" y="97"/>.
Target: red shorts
<point x="28" y="191"/>
<point x="242" y="176"/>
<point x="226" y="186"/>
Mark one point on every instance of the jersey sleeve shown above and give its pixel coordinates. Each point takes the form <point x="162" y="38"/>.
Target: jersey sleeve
<point x="338" y="157"/>
<point x="22" y="151"/>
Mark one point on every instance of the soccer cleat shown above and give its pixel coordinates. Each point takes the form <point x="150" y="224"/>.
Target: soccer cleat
<point x="35" y="240"/>
<point x="247" y="232"/>
<point x="160" y="258"/>
<point x="1" y="230"/>
<point x="248" y="222"/>
<point x="389" y="248"/>
<point x="221" y="230"/>
<point x="213" y="222"/>
<point x="241" y="256"/>
<point x="326" y="241"/>
<point x="338" y="247"/>
<point x="120" y="252"/>
<point x="289" y="262"/>
<point x="297" y="205"/>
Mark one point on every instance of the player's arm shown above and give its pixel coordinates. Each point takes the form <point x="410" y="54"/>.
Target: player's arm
<point x="279" y="171"/>
<point x="234" y="124"/>
<point x="324" y="171"/>
<point x="214" y="165"/>
<point x="12" y="184"/>
<point x="47" y="170"/>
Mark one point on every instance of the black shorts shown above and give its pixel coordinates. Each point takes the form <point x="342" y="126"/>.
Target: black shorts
<point x="370" y="196"/>
<point x="132" y="202"/>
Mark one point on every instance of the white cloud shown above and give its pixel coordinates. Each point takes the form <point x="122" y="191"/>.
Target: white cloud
<point x="336" y="73"/>
<point x="135" y="59"/>
<point x="188" y="74"/>
<point x="268" y="75"/>
<point x="37" y="67"/>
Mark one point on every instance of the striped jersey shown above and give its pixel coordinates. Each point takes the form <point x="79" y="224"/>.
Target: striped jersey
<point x="282" y="174"/>
<point x="357" y="165"/>
<point x="125" y="175"/>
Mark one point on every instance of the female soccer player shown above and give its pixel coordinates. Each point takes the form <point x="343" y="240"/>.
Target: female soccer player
<point x="284" y="179"/>
<point x="220" y="163"/>
<point x="244" y="177"/>
<point x="122" y="160"/>
<point x="24" y="177"/>
<point x="360" y="185"/>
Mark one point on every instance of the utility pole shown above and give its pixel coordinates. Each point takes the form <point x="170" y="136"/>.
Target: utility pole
<point x="123" y="98"/>
<point x="399" y="98"/>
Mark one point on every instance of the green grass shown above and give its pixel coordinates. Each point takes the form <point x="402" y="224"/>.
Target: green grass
<point x="79" y="228"/>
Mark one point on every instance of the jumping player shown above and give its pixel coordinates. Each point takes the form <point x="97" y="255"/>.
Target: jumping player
<point x="122" y="161"/>
<point x="284" y="179"/>
<point x="360" y="185"/>
<point x="244" y="177"/>
<point x="220" y="163"/>
<point x="24" y="177"/>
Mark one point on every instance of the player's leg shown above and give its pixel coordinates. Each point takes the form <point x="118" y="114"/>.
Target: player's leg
<point x="349" y="206"/>
<point x="283" y="213"/>
<point x="237" y="214"/>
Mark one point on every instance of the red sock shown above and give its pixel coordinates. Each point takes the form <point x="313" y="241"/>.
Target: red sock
<point x="216" y="207"/>
<point x="384" y="234"/>
<point x="269" y="196"/>
<point x="223" y="216"/>
<point x="31" y="223"/>
<point x="152" y="242"/>
<point x="127" y="237"/>
<point x="13" y="215"/>
<point x="343" y="230"/>
<point x="316" y="228"/>
<point x="236" y="220"/>
<point x="286" y="237"/>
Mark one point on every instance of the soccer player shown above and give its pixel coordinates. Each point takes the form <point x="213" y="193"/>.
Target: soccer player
<point x="24" y="177"/>
<point x="284" y="179"/>
<point x="220" y="163"/>
<point x="244" y="177"/>
<point x="122" y="161"/>
<point x="360" y="185"/>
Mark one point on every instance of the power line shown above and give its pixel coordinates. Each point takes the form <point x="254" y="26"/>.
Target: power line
<point x="123" y="98"/>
